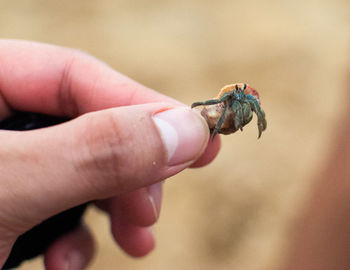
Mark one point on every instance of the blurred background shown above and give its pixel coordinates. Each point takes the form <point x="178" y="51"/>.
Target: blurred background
<point x="238" y="212"/>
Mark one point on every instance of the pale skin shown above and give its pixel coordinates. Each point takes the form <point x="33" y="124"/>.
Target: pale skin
<point x="100" y="155"/>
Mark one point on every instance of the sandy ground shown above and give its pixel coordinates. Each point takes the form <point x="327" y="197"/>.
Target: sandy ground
<point x="238" y="212"/>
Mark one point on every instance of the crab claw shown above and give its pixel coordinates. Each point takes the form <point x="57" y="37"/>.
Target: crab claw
<point x="255" y="106"/>
<point x="262" y="124"/>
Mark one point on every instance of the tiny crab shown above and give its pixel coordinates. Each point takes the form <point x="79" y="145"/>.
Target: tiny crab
<point x="232" y="109"/>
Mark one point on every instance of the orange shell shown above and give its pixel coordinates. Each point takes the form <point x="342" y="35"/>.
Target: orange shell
<point x="248" y="90"/>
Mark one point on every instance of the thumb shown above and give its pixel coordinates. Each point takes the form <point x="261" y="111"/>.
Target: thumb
<point x="95" y="156"/>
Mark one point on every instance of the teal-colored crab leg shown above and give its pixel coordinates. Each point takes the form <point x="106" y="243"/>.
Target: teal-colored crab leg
<point x="219" y="123"/>
<point x="247" y="112"/>
<point x="207" y="102"/>
<point x="211" y="101"/>
<point x="238" y="109"/>
<point x="260" y="114"/>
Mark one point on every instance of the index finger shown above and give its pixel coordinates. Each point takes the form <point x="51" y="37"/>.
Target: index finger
<point x="54" y="80"/>
<point x="48" y="79"/>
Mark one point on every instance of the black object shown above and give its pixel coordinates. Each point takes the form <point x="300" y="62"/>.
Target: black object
<point x="35" y="241"/>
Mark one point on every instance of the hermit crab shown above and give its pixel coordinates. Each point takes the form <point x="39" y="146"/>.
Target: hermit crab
<point x="232" y="109"/>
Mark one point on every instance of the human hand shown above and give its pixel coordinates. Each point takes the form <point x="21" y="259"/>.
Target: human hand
<point x="124" y="139"/>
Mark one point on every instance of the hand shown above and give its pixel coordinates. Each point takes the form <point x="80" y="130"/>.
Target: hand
<point x="123" y="140"/>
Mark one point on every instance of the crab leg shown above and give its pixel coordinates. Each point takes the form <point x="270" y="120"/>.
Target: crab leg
<point x="260" y="114"/>
<point x="207" y="102"/>
<point x="238" y="109"/>
<point x="211" y="101"/>
<point x="247" y="112"/>
<point x="219" y="123"/>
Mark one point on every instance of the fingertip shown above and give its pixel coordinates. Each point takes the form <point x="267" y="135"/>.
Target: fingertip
<point x="136" y="241"/>
<point x="209" y="154"/>
<point x="72" y="251"/>
<point x="142" y="206"/>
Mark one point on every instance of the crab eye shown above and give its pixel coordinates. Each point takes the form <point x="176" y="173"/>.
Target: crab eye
<point x="236" y="87"/>
<point x="244" y="86"/>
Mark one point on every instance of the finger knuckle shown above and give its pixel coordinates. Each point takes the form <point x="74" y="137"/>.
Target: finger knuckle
<point x="104" y="143"/>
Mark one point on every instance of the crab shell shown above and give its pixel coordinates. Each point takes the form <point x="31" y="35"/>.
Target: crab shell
<point x="248" y="90"/>
<point x="212" y="113"/>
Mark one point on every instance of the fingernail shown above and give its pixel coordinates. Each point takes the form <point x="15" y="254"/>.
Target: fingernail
<point x="184" y="133"/>
<point x="75" y="260"/>
<point x="155" y="198"/>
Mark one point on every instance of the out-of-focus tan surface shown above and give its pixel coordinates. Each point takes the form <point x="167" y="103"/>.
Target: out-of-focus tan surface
<point x="238" y="212"/>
